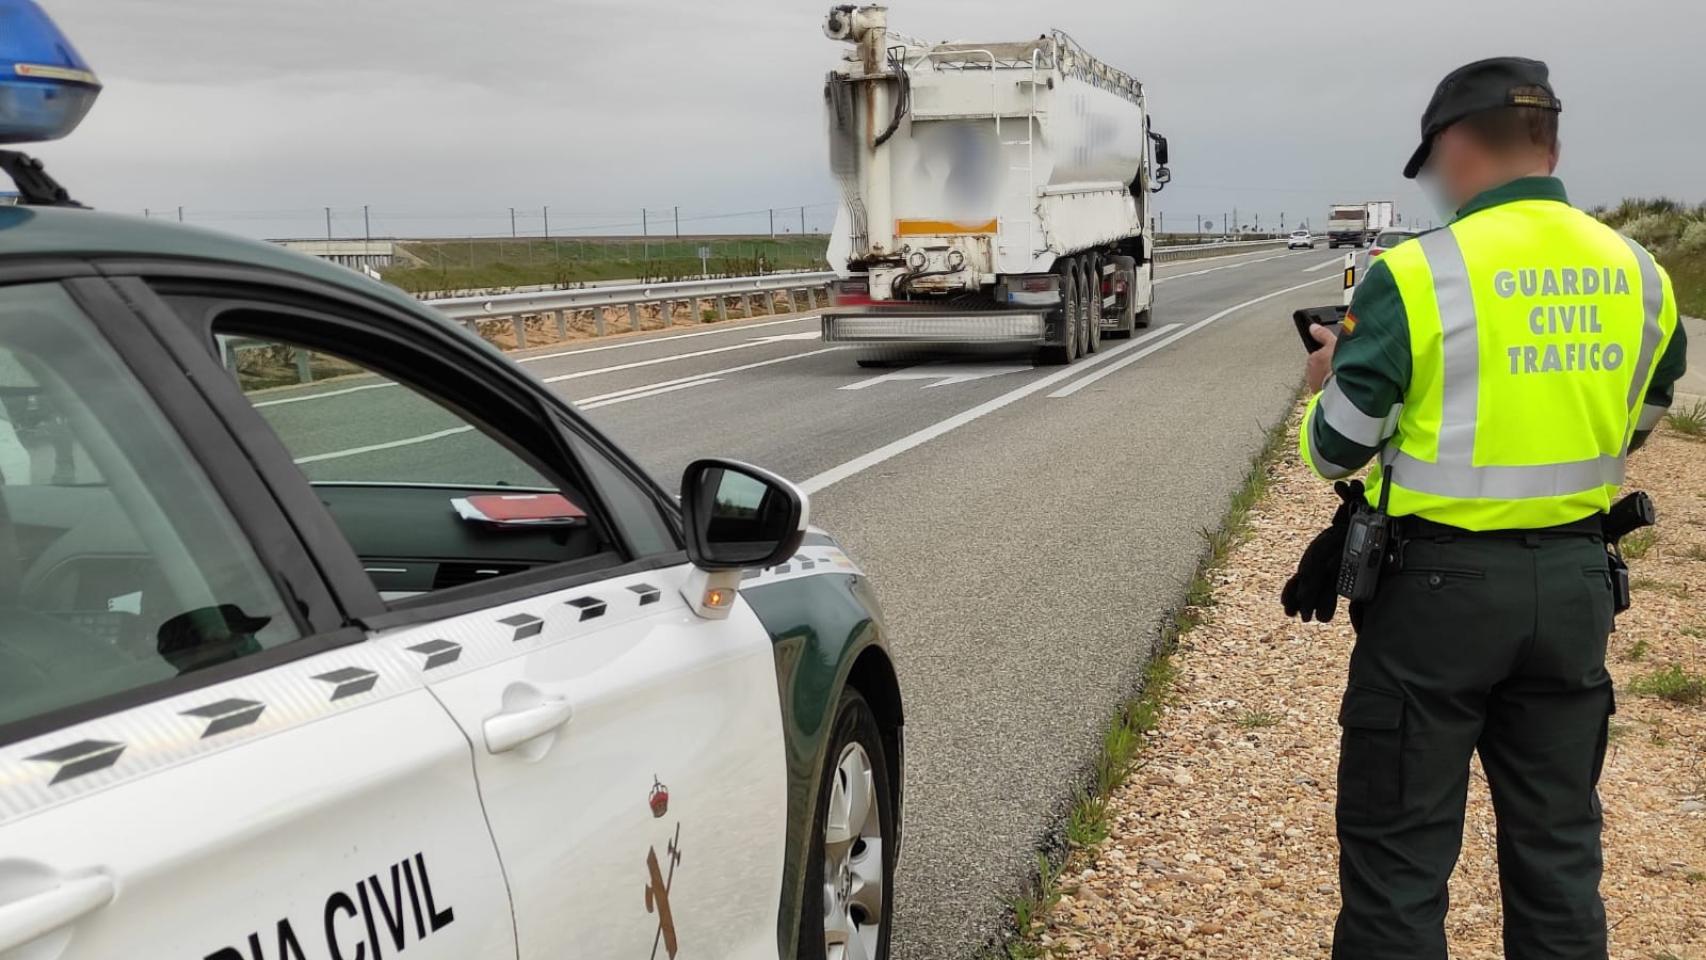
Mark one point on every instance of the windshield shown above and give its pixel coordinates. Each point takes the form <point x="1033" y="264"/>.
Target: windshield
<point x="1392" y="238"/>
<point x="1348" y="213"/>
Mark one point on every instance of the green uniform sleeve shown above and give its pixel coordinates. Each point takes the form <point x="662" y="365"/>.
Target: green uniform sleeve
<point x="1356" y="411"/>
<point x="1671" y="365"/>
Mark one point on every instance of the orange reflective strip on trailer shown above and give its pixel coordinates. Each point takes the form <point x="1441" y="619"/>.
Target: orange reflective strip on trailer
<point x="938" y="228"/>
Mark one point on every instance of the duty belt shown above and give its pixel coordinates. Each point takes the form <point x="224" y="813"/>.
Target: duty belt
<point x="1419" y="528"/>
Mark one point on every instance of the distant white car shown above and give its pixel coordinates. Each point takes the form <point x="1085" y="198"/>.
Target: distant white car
<point x="1300" y="239"/>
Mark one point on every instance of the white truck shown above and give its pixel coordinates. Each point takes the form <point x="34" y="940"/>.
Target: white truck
<point x="994" y="195"/>
<point x="1347" y="223"/>
<point x="1382" y="216"/>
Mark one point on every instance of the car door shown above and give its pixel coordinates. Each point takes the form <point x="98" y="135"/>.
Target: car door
<point x="197" y="758"/>
<point x="629" y="753"/>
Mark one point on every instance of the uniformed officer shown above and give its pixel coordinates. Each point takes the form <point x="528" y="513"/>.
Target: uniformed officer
<point x="1501" y="368"/>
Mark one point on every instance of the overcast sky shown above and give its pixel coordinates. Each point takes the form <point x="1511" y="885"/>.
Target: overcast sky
<point x="442" y="115"/>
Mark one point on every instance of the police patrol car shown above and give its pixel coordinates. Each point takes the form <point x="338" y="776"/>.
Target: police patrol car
<point x="408" y="660"/>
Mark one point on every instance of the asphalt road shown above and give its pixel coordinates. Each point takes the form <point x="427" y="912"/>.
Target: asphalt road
<point x="1027" y="528"/>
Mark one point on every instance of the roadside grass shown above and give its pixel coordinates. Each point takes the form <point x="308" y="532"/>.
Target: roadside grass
<point x="496" y="262"/>
<point x="1671" y="683"/>
<point x="1127" y="733"/>
<point x="1636" y="545"/>
<point x="1637" y="651"/>
<point x="1257" y="719"/>
<point x="1676" y="234"/>
<point x="1654" y="584"/>
<point x="1689" y="421"/>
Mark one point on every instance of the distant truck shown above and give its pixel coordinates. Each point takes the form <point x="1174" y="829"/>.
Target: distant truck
<point x="1347" y="224"/>
<point x="994" y="195"/>
<point x="1382" y="216"/>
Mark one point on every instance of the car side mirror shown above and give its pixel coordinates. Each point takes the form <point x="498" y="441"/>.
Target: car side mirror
<point x="1160" y="148"/>
<point x="1163" y="176"/>
<point x="737" y="516"/>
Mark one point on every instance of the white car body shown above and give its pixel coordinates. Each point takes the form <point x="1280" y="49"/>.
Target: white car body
<point x="1300" y="240"/>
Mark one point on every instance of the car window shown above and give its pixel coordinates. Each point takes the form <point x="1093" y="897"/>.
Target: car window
<point x="427" y="496"/>
<point x="648" y="531"/>
<point x="1391" y="239"/>
<point x="119" y="564"/>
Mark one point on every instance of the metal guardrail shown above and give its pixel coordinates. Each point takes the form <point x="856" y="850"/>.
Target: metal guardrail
<point x="631" y="298"/>
<point x="514" y="306"/>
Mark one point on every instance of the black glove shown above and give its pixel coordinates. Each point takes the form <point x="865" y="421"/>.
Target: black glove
<point x="1313" y="591"/>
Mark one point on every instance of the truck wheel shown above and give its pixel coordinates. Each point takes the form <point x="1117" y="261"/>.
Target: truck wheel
<point x="1067" y="350"/>
<point x="1092" y="304"/>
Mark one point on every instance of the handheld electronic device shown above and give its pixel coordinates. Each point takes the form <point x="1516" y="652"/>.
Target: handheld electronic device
<point x="1330" y="317"/>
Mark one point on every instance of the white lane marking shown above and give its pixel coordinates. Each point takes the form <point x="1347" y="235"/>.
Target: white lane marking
<point x="654" y="361"/>
<point x="778" y="338"/>
<point x="643" y="394"/>
<point x="388" y="445"/>
<point x="1230" y="266"/>
<point x="1083" y="382"/>
<point x="712" y="374"/>
<point x="756" y="341"/>
<point x="322" y="396"/>
<point x="866" y="461"/>
<point x="943" y="374"/>
<point x="651" y="340"/>
<point x="1325" y="264"/>
<point x="590" y="403"/>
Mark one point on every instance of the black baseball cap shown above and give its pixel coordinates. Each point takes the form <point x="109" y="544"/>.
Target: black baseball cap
<point x="1482" y="85"/>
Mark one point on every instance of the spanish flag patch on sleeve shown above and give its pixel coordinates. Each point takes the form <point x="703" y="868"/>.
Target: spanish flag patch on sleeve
<point x="1349" y="326"/>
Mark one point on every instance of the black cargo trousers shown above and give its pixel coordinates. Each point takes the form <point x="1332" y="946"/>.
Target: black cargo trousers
<point x="1489" y="642"/>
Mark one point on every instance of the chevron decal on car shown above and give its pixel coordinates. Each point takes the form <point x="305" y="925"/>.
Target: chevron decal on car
<point x="437" y="653"/>
<point x="227" y="714"/>
<point x="349" y="681"/>
<point x="84" y="756"/>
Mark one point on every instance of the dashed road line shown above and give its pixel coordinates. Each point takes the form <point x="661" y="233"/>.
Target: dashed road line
<point x="1124" y="362"/>
<point x="866" y="461"/>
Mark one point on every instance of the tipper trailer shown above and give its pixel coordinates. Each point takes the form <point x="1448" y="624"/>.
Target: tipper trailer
<point x="994" y="195"/>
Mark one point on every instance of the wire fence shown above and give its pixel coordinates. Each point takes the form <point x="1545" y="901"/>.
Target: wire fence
<point x="545" y="221"/>
<point x="439" y="266"/>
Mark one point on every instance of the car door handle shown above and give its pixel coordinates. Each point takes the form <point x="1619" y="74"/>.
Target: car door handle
<point x="506" y="731"/>
<point x="39" y="914"/>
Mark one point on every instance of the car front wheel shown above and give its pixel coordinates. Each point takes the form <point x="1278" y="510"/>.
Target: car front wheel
<point x="853" y="853"/>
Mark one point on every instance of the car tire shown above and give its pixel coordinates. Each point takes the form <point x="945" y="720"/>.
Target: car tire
<point x="849" y="882"/>
<point x="1067" y="350"/>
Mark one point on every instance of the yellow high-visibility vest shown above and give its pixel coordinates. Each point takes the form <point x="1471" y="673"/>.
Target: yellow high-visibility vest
<point x="1534" y="331"/>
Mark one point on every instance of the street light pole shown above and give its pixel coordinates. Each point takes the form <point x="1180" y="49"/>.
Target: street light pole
<point x="512" y="233"/>
<point x="547" y="221"/>
<point x="366" y="225"/>
<point x="328" y="223"/>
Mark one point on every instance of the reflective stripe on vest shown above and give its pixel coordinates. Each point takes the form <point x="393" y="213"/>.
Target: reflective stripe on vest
<point x="1454" y="473"/>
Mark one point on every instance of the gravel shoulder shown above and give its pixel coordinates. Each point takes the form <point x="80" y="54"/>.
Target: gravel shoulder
<point x="1222" y="845"/>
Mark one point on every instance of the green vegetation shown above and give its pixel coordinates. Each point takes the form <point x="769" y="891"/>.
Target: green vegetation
<point x="1654" y="584"/>
<point x="1689" y="421"/>
<point x="1257" y="719"/>
<point x="1637" y="651"/>
<point x="1671" y="683"/>
<point x="487" y="263"/>
<point x="1126" y="735"/>
<point x="1636" y="545"/>
<point x="1676" y="234"/>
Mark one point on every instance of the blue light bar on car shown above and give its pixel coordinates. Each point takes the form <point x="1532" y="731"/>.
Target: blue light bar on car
<point x="45" y="85"/>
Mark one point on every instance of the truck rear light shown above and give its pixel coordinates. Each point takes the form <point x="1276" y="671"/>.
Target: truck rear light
<point x="851" y="292"/>
<point x="1030" y="290"/>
